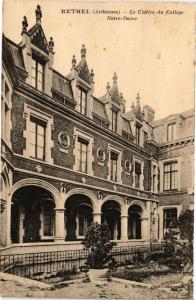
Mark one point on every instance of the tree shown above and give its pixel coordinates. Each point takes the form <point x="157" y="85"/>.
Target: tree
<point x="97" y="239"/>
<point x="183" y="248"/>
<point x="185" y="224"/>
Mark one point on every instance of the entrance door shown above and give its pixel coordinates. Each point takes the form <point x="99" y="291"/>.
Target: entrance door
<point x="32" y="224"/>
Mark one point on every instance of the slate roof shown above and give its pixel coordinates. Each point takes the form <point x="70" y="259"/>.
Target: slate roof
<point x="128" y="115"/>
<point x="185" y="114"/>
<point x="99" y="108"/>
<point x="126" y="125"/>
<point x="61" y="84"/>
<point x="16" y="53"/>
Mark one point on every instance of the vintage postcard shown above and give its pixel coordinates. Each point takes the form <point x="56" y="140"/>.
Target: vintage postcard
<point x="97" y="149"/>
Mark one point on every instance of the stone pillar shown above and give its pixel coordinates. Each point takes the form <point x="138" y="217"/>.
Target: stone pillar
<point x="97" y="217"/>
<point x="21" y="221"/>
<point x="8" y="210"/>
<point x="60" y="226"/>
<point x="124" y="227"/>
<point x="115" y="230"/>
<point x="145" y="228"/>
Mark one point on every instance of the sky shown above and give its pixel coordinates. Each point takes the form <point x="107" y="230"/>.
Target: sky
<point x="153" y="55"/>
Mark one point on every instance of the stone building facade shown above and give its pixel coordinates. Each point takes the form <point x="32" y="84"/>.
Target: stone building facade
<point x="69" y="158"/>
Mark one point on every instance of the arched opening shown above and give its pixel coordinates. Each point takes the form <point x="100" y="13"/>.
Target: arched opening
<point x="78" y="216"/>
<point x="111" y="216"/>
<point x="32" y="215"/>
<point x="134" y="222"/>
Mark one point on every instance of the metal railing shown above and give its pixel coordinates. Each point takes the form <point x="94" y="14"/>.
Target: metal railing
<point x="30" y="264"/>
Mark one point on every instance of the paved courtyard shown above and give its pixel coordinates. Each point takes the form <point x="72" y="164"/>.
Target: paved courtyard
<point x="111" y="290"/>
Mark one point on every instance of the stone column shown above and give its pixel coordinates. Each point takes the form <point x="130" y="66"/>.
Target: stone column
<point x="115" y="230"/>
<point x="145" y="228"/>
<point x="8" y="211"/>
<point x="124" y="227"/>
<point x="21" y="227"/>
<point x="60" y="226"/>
<point x="97" y="217"/>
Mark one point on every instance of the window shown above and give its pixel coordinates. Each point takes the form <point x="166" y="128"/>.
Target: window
<point x="171" y="132"/>
<point x="84" y="217"/>
<point x="5" y="110"/>
<point x="83" y="101"/>
<point x="169" y="217"/>
<point x="114" y="121"/>
<point x="138" y="172"/>
<point x="83" y="153"/>
<point x="137" y="134"/>
<point x="154" y="178"/>
<point x="170" y="180"/>
<point x="48" y="224"/>
<point x="37" y="138"/>
<point x="37" y="74"/>
<point x="48" y="219"/>
<point x="113" y="161"/>
<point x="145" y="136"/>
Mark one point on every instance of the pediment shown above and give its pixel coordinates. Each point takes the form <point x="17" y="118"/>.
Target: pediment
<point x="38" y="38"/>
<point x="83" y="72"/>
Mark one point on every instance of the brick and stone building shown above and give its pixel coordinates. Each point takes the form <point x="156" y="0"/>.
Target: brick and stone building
<point x="69" y="158"/>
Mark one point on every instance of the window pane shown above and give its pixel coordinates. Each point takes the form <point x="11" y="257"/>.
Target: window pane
<point x="114" y="121"/>
<point x="83" y="102"/>
<point x="170" y="176"/>
<point x="32" y="126"/>
<point x="170" y="216"/>
<point x="81" y="225"/>
<point x="40" y="153"/>
<point x="39" y="86"/>
<point x="82" y="155"/>
<point x="40" y="67"/>
<point x="40" y="141"/>
<point x="40" y="130"/>
<point x="48" y="224"/>
<point x="40" y="77"/>
<point x="32" y="150"/>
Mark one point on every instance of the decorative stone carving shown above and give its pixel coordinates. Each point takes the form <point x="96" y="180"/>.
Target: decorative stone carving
<point x="99" y="195"/>
<point x="83" y="179"/>
<point x="128" y="166"/>
<point x="101" y="155"/>
<point x="24" y="24"/>
<point x="64" y="139"/>
<point x="63" y="187"/>
<point x="38" y="168"/>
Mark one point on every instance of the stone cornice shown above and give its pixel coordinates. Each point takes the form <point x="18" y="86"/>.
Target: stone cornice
<point x="132" y="192"/>
<point x="173" y="145"/>
<point x="50" y="103"/>
<point x="138" y="195"/>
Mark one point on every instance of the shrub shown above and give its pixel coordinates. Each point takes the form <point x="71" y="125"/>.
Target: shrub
<point x="178" y="252"/>
<point x="97" y="239"/>
<point x="67" y="274"/>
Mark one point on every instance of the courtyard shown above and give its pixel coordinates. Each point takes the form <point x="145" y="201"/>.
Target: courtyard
<point x="107" y="290"/>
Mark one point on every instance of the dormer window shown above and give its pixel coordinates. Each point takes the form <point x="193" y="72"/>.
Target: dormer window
<point x="171" y="132"/>
<point x="114" y="121"/>
<point x="83" y="101"/>
<point x="37" y="74"/>
<point x="137" y="134"/>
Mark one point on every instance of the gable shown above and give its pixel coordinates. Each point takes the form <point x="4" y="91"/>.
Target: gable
<point x="38" y="38"/>
<point x="83" y="72"/>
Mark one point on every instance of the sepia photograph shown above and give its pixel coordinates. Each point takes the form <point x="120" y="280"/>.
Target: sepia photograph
<point x="97" y="149"/>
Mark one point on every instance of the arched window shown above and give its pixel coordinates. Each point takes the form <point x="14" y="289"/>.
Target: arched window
<point x="171" y="132"/>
